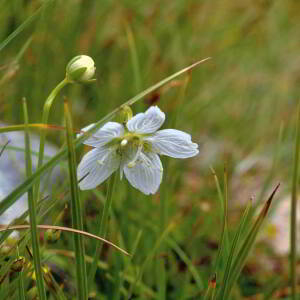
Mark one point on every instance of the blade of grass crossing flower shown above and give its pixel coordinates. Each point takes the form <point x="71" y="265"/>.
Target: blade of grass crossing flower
<point x="103" y="226"/>
<point x="22" y="188"/>
<point x="293" y="233"/>
<point x="232" y="252"/>
<point x="76" y="211"/>
<point x="32" y="213"/>
<point x="240" y="259"/>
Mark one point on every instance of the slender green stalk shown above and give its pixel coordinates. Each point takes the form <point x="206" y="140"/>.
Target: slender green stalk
<point x="21" y="287"/>
<point x="224" y="286"/>
<point x="293" y="261"/>
<point x="77" y="222"/>
<point x="26" y="23"/>
<point x="32" y="213"/>
<point x="224" y="239"/>
<point x="103" y="227"/>
<point x="45" y="117"/>
<point x="134" y="58"/>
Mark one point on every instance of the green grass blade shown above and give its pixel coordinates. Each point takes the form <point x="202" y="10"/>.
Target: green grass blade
<point x="134" y="57"/>
<point x="103" y="227"/>
<point x="32" y="213"/>
<point x="26" y="23"/>
<point x="211" y="289"/>
<point x="239" y="260"/>
<point x="22" y="188"/>
<point x="183" y="256"/>
<point x="233" y="250"/>
<point x="224" y="240"/>
<point x="76" y="211"/>
<point x="293" y="233"/>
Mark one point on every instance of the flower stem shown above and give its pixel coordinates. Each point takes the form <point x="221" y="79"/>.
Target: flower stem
<point x="32" y="213"/>
<point x="293" y="232"/>
<point x="103" y="227"/>
<point x="47" y="106"/>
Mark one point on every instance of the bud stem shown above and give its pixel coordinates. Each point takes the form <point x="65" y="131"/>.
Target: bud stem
<point x="47" y="106"/>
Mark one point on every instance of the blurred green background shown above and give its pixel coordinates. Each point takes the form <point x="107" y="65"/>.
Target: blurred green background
<point x="234" y="106"/>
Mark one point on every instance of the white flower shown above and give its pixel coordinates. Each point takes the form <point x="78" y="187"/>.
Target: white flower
<point x="81" y="68"/>
<point x="133" y="148"/>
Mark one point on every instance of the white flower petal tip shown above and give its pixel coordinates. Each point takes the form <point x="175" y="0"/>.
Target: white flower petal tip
<point x="146" y="175"/>
<point x="96" y="166"/>
<point x="147" y="122"/>
<point x="104" y="135"/>
<point x="173" y="143"/>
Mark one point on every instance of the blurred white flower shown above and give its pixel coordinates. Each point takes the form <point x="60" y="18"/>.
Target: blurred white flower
<point x="133" y="148"/>
<point x="81" y="68"/>
<point x="277" y="231"/>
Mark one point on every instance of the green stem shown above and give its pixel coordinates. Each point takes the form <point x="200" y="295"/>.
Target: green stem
<point x="45" y="117"/>
<point x="103" y="227"/>
<point x="77" y="222"/>
<point x="294" y="210"/>
<point x="32" y="213"/>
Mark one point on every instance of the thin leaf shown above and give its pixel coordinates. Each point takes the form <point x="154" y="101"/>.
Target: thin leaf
<point x="293" y="233"/>
<point x="67" y="229"/>
<point x="32" y="213"/>
<point x="77" y="220"/>
<point x="232" y="252"/>
<point x="26" y="23"/>
<point x="240" y="258"/>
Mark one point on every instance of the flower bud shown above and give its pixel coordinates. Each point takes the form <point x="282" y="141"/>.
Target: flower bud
<point x="81" y="69"/>
<point x="18" y="264"/>
<point x="125" y="114"/>
<point x="52" y="235"/>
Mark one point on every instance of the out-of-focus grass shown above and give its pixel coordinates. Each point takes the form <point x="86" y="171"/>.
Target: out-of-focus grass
<point x="236" y="103"/>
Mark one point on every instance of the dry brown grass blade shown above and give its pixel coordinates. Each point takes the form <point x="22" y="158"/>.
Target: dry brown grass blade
<point x="67" y="229"/>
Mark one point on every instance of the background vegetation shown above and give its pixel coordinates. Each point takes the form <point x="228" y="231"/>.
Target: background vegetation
<point x="240" y="107"/>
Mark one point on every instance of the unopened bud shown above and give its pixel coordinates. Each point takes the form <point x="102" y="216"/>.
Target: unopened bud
<point x="18" y="264"/>
<point x="52" y="235"/>
<point x="81" y="69"/>
<point x="125" y="114"/>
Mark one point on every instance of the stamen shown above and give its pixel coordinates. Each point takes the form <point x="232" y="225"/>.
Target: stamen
<point x="101" y="161"/>
<point x="138" y="152"/>
<point x="124" y="143"/>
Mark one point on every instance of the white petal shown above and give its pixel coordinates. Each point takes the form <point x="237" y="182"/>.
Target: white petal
<point x="174" y="143"/>
<point x="105" y="134"/>
<point x="99" y="164"/>
<point x="147" y="122"/>
<point x="146" y="175"/>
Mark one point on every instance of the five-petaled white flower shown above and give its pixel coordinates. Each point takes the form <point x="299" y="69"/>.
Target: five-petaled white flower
<point x="133" y="148"/>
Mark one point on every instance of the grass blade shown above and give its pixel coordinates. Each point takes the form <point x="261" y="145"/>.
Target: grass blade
<point x="103" y="227"/>
<point x="239" y="261"/>
<point x="233" y="250"/>
<point x="32" y="213"/>
<point x="26" y="23"/>
<point x="293" y="260"/>
<point x="76" y="211"/>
